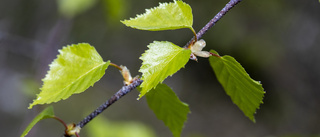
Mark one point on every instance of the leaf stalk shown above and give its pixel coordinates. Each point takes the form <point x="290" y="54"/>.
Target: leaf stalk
<point x="116" y="66"/>
<point x="61" y="121"/>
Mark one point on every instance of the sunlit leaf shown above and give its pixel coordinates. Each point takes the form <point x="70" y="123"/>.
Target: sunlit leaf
<point x="101" y="127"/>
<point x="245" y="92"/>
<point x="76" y="68"/>
<point x="167" y="16"/>
<point x="71" y="8"/>
<point x="46" y="113"/>
<point x="161" y="60"/>
<point x="168" y="108"/>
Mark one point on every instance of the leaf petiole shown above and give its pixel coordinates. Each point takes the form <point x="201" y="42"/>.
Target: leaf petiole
<point x="116" y="66"/>
<point x="195" y="34"/>
<point x="61" y="121"/>
<point x="213" y="54"/>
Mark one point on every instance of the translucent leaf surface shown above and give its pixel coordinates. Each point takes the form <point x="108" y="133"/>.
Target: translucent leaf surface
<point x="168" y="108"/>
<point x="76" y="68"/>
<point x="46" y="113"/>
<point x="101" y="127"/>
<point x="167" y="16"/>
<point x="161" y="60"/>
<point x="245" y="92"/>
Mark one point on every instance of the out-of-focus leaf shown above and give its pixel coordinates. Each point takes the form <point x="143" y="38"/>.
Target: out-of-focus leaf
<point x="101" y="127"/>
<point x="76" y="68"/>
<point x="167" y="16"/>
<point x="115" y="10"/>
<point x="161" y="60"/>
<point x="46" y="113"/>
<point x="168" y="108"/>
<point x="245" y="92"/>
<point x="30" y="87"/>
<point x="71" y="8"/>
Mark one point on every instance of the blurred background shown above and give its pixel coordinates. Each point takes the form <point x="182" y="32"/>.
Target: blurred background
<point x="276" y="41"/>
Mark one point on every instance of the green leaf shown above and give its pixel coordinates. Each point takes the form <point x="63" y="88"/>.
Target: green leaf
<point x="102" y="127"/>
<point x="167" y="16"/>
<point x="168" y="108"/>
<point x="71" y="8"/>
<point x="115" y="10"/>
<point x="245" y="92"/>
<point x="46" y="113"/>
<point x="161" y="60"/>
<point x="76" y="69"/>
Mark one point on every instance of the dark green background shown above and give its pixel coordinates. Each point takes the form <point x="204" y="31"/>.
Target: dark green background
<point x="276" y="41"/>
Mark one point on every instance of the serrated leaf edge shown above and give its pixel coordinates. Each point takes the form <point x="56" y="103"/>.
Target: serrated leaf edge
<point x="149" y="11"/>
<point x="142" y="85"/>
<point x="246" y="75"/>
<point x="59" y="92"/>
<point x="244" y="71"/>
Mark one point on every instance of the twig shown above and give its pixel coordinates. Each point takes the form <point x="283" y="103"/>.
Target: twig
<point x="123" y="91"/>
<point x="214" y="20"/>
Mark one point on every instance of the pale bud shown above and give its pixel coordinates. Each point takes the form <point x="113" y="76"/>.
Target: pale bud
<point x="196" y="50"/>
<point x="204" y="54"/>
<point x="198" y="46"/>
<point x="126" y="75"/>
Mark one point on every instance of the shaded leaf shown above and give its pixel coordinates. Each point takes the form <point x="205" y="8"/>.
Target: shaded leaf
<point x="168" y="108"/>
<point x="167" y="16"/>
<point x="76" y="68"/>
<point x="161" y="60"/>
<point x="46" y="113"/>
<point x="245" y="92"/>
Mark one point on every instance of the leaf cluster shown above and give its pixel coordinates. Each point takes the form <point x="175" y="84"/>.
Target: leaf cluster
<point x="79" y="66"/>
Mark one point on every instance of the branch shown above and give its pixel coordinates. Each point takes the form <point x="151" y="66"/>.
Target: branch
<point x="214" y="20"/>
<point x="123" y="91"/>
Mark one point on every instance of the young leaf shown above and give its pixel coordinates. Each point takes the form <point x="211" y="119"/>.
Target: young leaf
<point x="76" y="68"/>
<point x="168" y="108"/>
<point x="161" y="60"/>
<point x="46" y="113"/>
<point x="245" y="92"/>
<point x="167" y="16"/>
